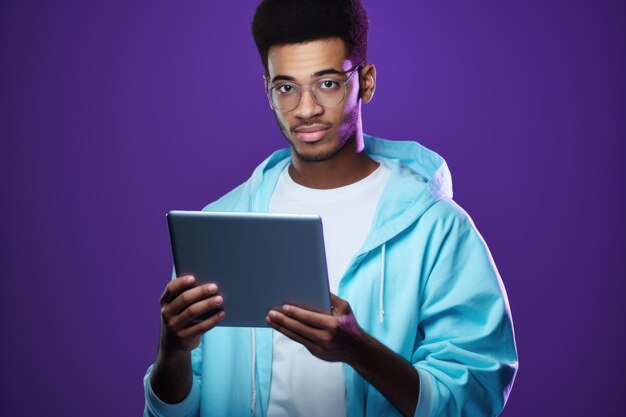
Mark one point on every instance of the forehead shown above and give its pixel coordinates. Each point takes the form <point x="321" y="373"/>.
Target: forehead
<point x="301" y="60"/>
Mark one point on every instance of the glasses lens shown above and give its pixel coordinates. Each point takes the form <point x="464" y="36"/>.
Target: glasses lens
<point x="329" y="93"/>
<point x="285" y="97"/>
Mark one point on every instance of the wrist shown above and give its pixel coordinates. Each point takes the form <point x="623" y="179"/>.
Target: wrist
<point x="364" y="351"/>
<point x="169" y="352"/>
<point x="170" y="345"/>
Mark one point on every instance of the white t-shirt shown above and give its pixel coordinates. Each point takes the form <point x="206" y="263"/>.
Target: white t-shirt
<point x="303" y="385"/>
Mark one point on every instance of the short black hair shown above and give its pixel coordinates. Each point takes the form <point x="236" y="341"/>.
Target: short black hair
<point x="279" y="22"/>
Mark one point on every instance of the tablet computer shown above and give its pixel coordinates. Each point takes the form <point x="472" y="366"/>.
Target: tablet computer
<point x="258" y="260"/>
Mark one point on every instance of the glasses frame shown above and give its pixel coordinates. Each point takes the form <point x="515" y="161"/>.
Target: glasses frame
<point x="303" y="87"/>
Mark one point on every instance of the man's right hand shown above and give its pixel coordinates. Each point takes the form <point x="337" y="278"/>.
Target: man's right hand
<point x="182" y="302"/>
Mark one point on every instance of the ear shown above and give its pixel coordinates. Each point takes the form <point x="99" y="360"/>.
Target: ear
<point x="367" y="82"/>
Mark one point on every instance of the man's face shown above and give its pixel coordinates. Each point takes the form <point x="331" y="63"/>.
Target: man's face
<point x="316" y="133"/>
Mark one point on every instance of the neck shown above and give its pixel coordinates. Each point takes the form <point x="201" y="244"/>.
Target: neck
<point x="348" y="166"/>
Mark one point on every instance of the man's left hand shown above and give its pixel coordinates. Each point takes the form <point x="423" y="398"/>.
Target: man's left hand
<point x="333" y="338"/>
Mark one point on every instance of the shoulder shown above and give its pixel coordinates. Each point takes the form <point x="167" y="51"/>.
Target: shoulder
<point x="447" y="212"/>
<point x="447" y="225"/>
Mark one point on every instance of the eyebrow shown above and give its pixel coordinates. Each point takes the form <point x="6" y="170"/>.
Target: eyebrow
<point x="317" y="74"/>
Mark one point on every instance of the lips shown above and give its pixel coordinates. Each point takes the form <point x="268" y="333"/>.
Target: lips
<point x="311" y="133"/>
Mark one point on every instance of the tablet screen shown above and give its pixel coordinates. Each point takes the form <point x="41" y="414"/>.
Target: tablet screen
<point x="258" y="260"/>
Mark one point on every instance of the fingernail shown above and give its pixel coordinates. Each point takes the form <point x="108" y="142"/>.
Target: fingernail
<point x="286" y="307"/>
<point x="219" y="300"/>
<point x="189" y="278"/>
<point x="272" y="314"/>
<point x="212" y="287"/>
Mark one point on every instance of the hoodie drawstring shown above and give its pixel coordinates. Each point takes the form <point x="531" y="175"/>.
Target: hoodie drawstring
<point x="253" y="404"/>
<point x="381" y="311"/>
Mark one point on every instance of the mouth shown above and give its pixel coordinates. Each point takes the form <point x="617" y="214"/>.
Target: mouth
<point x="311" y="133"/>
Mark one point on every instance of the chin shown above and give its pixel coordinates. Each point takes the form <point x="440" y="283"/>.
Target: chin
<point x="325" y="153"/>
<point x="316" y="157"/>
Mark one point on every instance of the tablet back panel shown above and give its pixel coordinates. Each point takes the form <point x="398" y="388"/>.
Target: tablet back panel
<point x="258" y="260"/>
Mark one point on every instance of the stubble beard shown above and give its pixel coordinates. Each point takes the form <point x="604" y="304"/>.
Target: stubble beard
<point x="318" y="157"/>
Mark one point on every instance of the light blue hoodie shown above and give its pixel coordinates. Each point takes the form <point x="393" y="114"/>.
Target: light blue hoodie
<point x="423" y="283"/>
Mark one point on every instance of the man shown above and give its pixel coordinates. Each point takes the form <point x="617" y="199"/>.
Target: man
<point x="421" y="324"/>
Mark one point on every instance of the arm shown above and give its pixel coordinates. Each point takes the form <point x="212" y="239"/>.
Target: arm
<point x="466" y="358"/>
<point x="390" y="374"/>
<point x="339" y="338"/>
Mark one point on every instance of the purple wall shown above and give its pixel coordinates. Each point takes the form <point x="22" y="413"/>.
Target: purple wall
<point x="113" y="114"/>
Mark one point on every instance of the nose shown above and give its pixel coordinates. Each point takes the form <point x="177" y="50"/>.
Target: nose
<point x="307" y="107"/>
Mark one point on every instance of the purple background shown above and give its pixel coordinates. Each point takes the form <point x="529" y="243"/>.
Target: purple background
<point x="113" y="114"/>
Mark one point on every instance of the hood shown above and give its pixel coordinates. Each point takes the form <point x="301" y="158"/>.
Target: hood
<point x="419" y="178"/>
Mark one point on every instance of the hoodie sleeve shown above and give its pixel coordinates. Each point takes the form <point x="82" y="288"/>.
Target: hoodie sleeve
<point x="189" y="407"/>
<point x="467" y="358"/>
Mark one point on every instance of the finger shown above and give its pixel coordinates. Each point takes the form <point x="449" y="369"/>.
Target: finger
<point x="174" y="287"/>
<point x="309" y="344"/>
<point x="203" y="326"/>
<point x="308" y="317"/>
<point x="190" y="296"/>
<point x="313" y="334"/>
<point x="182" y="319"/>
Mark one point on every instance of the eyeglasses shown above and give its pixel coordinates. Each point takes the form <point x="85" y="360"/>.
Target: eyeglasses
<point x="327" y="92"/>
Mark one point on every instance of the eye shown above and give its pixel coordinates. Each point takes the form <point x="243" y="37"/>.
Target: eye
<point x="285" y="88"/>
<point x="328" y="84"/>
